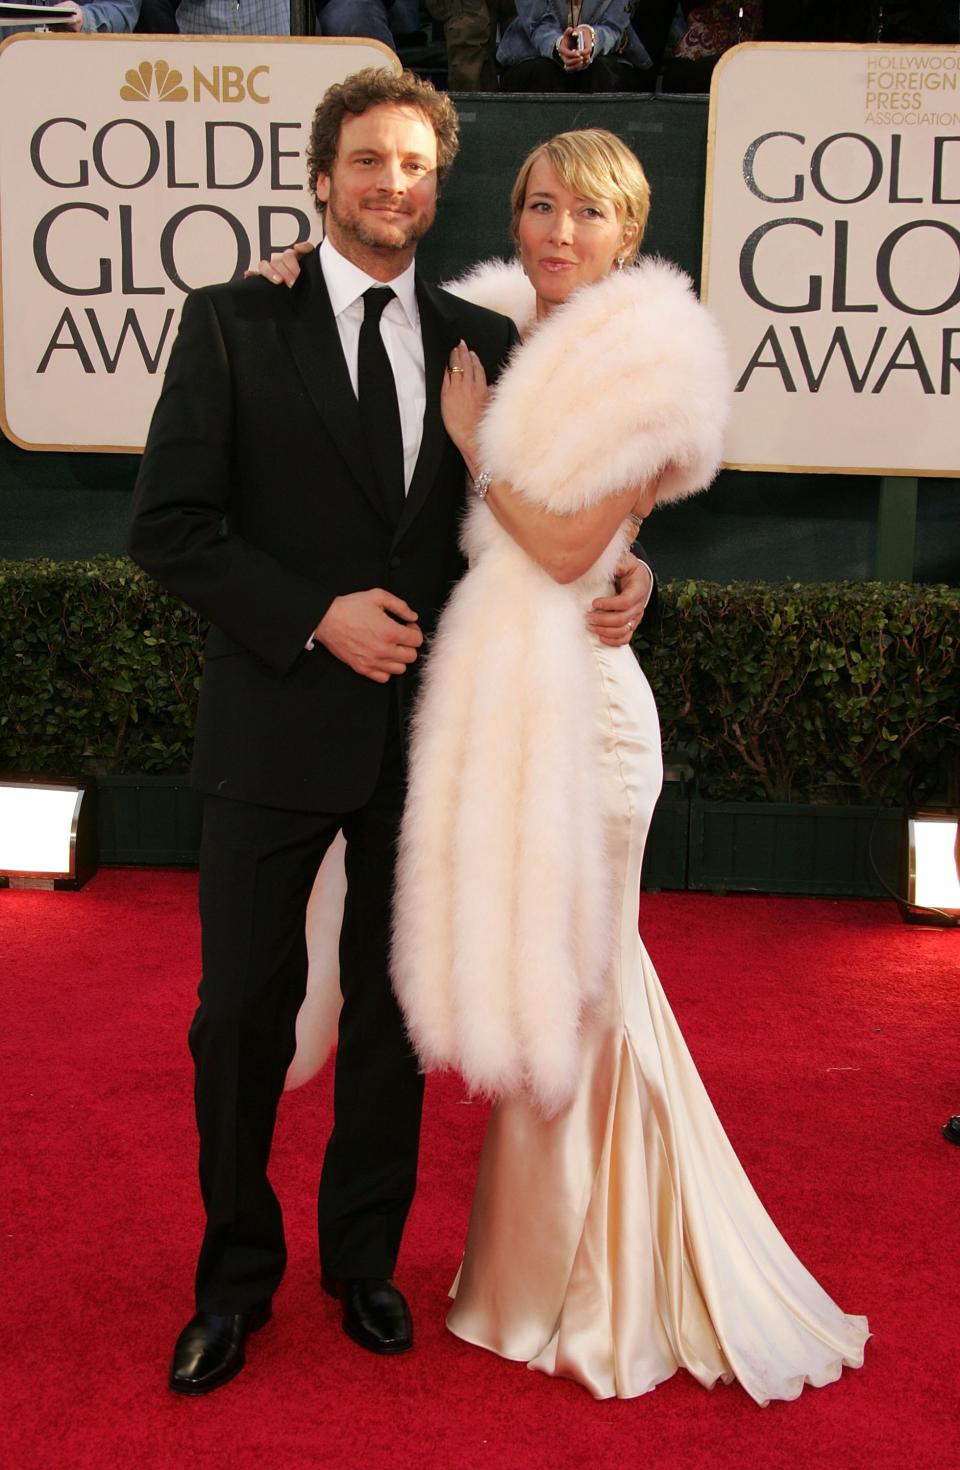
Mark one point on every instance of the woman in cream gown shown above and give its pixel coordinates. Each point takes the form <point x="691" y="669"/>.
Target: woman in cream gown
<point x="614" y="1235"/>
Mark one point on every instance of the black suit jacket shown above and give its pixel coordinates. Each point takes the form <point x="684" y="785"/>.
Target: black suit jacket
<point x="257" y="503"/>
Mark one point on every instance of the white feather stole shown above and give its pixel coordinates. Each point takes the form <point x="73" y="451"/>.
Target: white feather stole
<point x="502" y="919"/>
<point x="634" y="368"/>
<point x="503" y="923"/>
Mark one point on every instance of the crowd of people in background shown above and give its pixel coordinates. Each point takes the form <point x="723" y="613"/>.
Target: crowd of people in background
<point x="542" y="45"/>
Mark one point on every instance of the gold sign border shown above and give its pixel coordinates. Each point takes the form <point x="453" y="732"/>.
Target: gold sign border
<point x="792" y="469"/>
<point x="55" y="37"/>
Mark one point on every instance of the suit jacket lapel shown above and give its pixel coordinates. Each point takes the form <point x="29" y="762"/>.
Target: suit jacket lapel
<point x="440" y="334"/>
<point x="310" y="331"/>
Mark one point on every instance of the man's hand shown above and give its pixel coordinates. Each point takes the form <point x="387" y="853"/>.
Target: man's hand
<point x="361" y="629"/>
<point x="75" y="23"/>
<point x="614" y="619"/>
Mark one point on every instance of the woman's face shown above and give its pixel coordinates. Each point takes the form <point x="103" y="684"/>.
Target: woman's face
<point x="566" y="241"/>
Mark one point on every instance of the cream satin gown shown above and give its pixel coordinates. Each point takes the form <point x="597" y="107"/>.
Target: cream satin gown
<point x="621" y="1240"/>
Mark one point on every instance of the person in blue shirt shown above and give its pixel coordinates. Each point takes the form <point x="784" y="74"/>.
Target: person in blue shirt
<point x="367" y="18"/>
<point x="563" y="46"/>
<point x="234" y="17"/>
<point x="88" y="15"/>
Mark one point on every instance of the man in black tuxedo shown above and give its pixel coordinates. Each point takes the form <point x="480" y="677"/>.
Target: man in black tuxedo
<point x="299" y="490"/>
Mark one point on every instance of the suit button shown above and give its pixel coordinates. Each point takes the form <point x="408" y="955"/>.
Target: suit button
<point x="394" y="562"/>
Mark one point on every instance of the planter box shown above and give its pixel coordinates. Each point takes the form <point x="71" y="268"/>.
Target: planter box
<point x="153" y="820"/>
<point x="720" y="846"/>
<point x="668" y="841"/>
<point x="665" y="855"/>
<point x="786" y="847"/>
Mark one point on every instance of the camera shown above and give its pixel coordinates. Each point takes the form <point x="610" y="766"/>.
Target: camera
<point x="576" y="41"/>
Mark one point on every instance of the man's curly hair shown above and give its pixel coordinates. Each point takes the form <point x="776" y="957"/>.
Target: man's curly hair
<point x="369" y="88"/>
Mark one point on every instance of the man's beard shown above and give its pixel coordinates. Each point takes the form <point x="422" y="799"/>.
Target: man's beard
<point x="402" y="234"/>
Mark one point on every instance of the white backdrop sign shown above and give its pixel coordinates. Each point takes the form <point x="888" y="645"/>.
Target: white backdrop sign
<point x="832" y="255"/>
<point x="132" y="169"/>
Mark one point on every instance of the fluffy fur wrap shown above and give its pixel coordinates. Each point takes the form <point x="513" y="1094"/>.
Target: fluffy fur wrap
<point x="633" y="367"/>
<point x="503" y="924"/>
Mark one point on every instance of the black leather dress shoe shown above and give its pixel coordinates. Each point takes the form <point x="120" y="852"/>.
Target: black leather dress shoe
<point x="210" y="1349"/>
<point x="951" y="1129"/>
<point x="375" y="1314"/>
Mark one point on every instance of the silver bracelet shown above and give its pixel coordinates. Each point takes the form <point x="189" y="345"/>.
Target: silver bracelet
<point x="482" y="483"/>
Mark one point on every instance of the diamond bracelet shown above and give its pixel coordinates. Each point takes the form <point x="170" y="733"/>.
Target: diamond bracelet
<point x="482" y="483"/>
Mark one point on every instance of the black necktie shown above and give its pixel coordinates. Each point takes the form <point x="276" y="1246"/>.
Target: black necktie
<point x="377" y="395"/>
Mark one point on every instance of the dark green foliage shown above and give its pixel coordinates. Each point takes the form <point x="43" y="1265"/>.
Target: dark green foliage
<point x="100" y="670"/>
<point x="842" y="692"/>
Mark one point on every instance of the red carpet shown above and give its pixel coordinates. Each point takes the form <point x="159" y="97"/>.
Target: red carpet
<point x="827" y="1033"/>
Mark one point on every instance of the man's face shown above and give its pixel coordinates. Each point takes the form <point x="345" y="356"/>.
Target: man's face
<point x="381" y="194"/>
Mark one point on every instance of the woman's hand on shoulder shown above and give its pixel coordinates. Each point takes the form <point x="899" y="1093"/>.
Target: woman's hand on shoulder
<point x="283" y="269"/>
<point x="463" y="398"/>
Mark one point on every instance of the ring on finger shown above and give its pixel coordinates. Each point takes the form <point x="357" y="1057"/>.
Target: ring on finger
<point x="456" y="370"/>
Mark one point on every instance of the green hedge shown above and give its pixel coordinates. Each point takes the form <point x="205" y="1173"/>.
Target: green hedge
<point x="839" y="692"/>
<point x="100" y="669"/>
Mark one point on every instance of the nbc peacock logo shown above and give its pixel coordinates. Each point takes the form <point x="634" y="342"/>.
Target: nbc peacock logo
<point x="164" y="81"/>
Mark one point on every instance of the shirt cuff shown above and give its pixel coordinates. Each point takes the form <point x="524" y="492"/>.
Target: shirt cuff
<point x="649" y="568"/>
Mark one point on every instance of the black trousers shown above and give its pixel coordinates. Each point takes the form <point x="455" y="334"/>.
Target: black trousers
<point x="257" y="868"/>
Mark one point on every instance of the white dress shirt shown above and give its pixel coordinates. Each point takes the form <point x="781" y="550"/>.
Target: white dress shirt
<point x="400" y="330"/>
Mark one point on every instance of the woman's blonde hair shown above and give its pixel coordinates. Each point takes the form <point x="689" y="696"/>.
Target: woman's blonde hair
<point x="596" y="165"/>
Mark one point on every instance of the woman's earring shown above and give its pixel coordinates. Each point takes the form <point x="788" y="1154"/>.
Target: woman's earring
<point x="619" y="262"/>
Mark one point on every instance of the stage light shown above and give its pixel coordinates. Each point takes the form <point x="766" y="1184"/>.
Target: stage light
<point x="48" y="834"/>
<point x="933" y="877"/>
